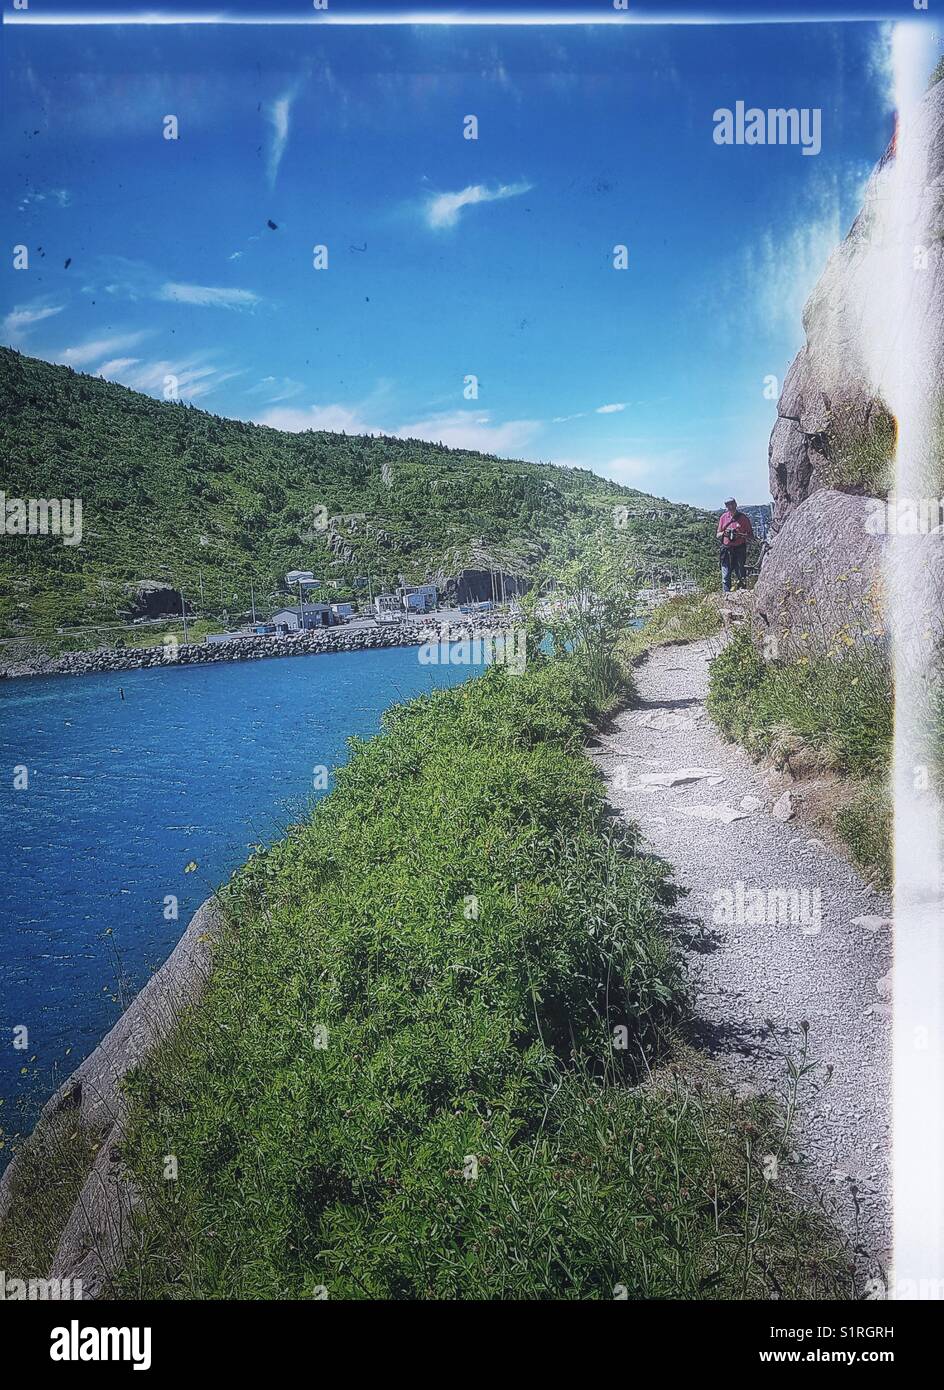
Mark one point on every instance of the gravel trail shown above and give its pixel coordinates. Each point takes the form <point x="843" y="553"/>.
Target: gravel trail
<point x="764" y="966"/>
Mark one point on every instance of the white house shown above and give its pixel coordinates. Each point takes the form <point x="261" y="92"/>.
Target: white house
<point x="418" y="598"/>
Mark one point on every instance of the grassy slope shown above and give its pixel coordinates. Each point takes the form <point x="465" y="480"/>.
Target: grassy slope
<point x="461" y="920"/>
<point x="174" y="493"/>
<point x="839" y="709"/>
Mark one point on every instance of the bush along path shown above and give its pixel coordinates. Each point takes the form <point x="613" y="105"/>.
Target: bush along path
<point x="789" y="950"/>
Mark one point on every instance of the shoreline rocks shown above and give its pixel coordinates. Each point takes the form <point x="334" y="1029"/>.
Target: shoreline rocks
<point x="92" y="1100"/>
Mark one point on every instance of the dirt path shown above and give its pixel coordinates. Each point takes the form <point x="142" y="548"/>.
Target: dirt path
<point x="764" y="966"/>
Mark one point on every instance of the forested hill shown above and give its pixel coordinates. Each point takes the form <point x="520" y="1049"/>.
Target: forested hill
<point x="175" y="494"/>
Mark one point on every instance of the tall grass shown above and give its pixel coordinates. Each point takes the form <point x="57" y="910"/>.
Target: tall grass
<point x="683" y="618"/>
<point x="843" y="707"/>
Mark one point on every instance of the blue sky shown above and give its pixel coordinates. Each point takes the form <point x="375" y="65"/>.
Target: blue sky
<point x="446" y="257"/>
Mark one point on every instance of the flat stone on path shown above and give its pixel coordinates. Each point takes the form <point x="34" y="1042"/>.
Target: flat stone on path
<point x="674" y="779"/>
<point x="872" y="923"/>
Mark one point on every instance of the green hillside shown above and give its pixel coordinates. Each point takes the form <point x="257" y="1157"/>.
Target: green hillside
<point x="175" y="494"/>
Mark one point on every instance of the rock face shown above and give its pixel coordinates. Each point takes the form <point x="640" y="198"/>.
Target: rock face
<point x="833" y="428"/>
<point x="150" y="598"/>
<point x="821" y="584"/>
<point x="476" y="586"/>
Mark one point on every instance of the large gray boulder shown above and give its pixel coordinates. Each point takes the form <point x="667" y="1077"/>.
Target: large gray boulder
<point x="821" y="585"/>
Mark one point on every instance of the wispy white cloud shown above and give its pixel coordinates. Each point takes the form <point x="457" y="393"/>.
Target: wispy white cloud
<point x="462" y="429"/>
<point x="766" y="285"/>
<point x="114" y="368"/>
<point x="207" y="296"/>
<point x="663" y="469"/>
<point x="632" y="469"/>
<point x="781" y="269"/>
<point x="191" y="377"/>
<point x="317" y="417"/>
<point x="582" y="414"/>
<point x="443" y="209"/>
<point x="276" y="389"/>
<point x="61" y="197"/>
<point x="124" y="278"/>
<point x="278" y="114"/>
<point x="459" y="429"/>
<point x="23" y="317"/>
<point x="83" y="354"/>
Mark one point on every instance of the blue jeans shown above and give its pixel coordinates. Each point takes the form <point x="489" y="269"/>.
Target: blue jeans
<point x="733" y="565"/>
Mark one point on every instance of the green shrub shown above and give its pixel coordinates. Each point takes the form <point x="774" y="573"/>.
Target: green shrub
<point x="842" y="707"/>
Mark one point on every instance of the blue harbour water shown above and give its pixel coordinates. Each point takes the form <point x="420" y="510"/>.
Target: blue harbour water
<point x="192" y="767"/>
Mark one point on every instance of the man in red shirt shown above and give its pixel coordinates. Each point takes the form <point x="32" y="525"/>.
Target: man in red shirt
<point x="734" y="532"/>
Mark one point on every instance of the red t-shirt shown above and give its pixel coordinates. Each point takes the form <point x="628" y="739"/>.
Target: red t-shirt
<point x="742" y="524"/>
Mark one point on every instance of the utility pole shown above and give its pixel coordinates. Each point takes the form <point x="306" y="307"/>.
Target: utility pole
<point x="183" y="614"/>
<point x="202" y="600"/>
<point x="252" y="599"/>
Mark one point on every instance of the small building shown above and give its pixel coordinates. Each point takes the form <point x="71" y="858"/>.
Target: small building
<point x="343" y="612"/>
<point x="418" y="598"/>
<point x="311" y="615"/>
<point x="386" y="605"/>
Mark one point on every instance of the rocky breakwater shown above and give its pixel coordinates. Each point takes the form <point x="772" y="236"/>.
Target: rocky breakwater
<point x="253" y="648"/>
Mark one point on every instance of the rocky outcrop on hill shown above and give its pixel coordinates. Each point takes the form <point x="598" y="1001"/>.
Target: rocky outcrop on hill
<point x="833" y="428"/>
